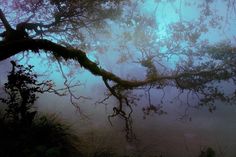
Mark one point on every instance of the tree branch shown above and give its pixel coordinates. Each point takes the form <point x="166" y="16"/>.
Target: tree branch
<point x="14" y="47"/>
<point x="5" y="22"/>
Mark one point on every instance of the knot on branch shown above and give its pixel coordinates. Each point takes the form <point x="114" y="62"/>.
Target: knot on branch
<point x="11" y="34"/>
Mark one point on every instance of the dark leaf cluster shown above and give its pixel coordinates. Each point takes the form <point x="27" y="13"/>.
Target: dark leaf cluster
<point x="21" y="89"/>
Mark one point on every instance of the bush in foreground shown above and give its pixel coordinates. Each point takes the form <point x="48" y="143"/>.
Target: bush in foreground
<point x="46" y="137"/>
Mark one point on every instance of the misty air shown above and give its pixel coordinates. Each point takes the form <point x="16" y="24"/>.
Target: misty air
<point x="117" y="78"/>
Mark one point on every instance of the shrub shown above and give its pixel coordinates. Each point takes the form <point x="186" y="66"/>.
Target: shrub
<point x="25" y="133"/>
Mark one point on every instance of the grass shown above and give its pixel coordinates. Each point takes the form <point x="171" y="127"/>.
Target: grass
<point x="46" y="137"/>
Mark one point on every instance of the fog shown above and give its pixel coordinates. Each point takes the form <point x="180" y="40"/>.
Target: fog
<point x="165" y="134"/>
<point x="168" y="134"/>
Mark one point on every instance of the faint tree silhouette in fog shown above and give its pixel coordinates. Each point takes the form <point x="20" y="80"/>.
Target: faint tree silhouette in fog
<point x="21" y="90"/>
<point x="209" y="152"/>
<point x="64" y="30"/>
<point x="23" y="132"/>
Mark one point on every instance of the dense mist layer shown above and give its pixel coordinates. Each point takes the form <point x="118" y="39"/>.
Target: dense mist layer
<point x="163" y="34"/>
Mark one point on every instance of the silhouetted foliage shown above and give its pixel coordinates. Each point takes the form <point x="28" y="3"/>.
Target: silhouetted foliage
<point x="175" y="52"/>
<point x="46" y="137"/>
<point x="23" y="133"/>
<point x="209" y="152"/>
<point x="21" y="90"/>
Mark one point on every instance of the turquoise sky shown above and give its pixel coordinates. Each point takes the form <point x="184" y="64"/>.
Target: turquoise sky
<point x="107" y="49"/>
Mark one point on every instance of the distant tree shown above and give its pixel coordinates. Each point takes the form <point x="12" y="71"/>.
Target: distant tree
<point x="21" y="93"/>
<point x="60" y="27"/>
<point x="209" y="152"/>
<point x="23" y="132"/>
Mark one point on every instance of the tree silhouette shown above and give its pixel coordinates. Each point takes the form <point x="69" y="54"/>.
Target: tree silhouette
<point x="22" y="89"/>
<point x="209" y="152"/>
<point x="23" y="131"/>
<point x="58" y="28"/>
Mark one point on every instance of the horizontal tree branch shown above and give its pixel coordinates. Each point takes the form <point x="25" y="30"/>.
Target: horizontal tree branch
<point x="11" y="48"/>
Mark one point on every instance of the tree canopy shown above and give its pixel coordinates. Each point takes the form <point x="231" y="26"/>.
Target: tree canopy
<point x="169" y="47"/>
